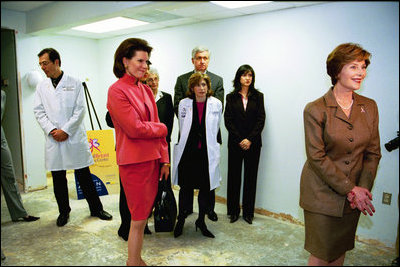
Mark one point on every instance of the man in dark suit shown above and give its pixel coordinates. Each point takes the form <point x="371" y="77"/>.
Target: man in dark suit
<point x="200" y="60"/>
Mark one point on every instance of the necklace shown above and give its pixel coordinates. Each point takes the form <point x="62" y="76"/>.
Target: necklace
<point x="348" y="106"/>
<point x="337" y="100"/>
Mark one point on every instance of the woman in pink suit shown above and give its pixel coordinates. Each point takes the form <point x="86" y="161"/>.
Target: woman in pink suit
<point x="142" y="150"/>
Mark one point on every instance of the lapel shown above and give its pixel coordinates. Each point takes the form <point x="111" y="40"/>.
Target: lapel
<point x="331" y="103"/>
<point x="148" y="97"/>
<point x="161" y="99"/>
<point x="358" y="109"/>
<point x="239" y="103"/>
<point x="139" y="97"/>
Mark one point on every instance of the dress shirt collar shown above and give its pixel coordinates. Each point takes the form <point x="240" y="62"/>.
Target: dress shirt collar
<point x="205" y="72"/>
<point x="158" y="95"/>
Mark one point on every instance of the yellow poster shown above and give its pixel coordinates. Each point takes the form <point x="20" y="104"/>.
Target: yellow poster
<point x="105" y="169"/>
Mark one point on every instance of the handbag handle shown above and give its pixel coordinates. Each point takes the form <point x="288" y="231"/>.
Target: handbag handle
<point x="163" y="185"/>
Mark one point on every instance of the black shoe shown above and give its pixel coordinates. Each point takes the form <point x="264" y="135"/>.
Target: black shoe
<point x="104" y="215"/>
<point x="179" y="228"/>
<point x="123" y="232"/>
<point x="248" y="219"/>
<point x="147" y="230"/>
<point x="395" y="262"/>
<point x="212" y="216"/>
<point x="203" y="229"/>
<point x="234" y="218"/>
<point x="62" y="219"/>
<point x="30" y="218"/>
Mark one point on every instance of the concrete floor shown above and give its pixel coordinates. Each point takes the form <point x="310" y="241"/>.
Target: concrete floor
<point x="87" y="240"/>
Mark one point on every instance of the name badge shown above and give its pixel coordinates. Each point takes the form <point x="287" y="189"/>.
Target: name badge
<point x="183" y="113"/>
<point x="68" y="89"/>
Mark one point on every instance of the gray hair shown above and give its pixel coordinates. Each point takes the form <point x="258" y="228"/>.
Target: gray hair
<point x="199" y="49"/>
<point x="153" y="70"/>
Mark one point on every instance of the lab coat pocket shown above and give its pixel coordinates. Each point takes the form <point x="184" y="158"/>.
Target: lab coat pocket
<point x="78" y="137"/>
<point x="68" y="97"/>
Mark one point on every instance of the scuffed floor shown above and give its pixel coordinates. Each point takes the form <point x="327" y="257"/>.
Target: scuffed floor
<point x="86" y="240"/>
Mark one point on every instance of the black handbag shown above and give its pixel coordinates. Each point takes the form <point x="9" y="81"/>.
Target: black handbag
<point x="165" y="210"/>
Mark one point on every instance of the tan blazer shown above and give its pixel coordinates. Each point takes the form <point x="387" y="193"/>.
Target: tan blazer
<point x="341" y="152"/>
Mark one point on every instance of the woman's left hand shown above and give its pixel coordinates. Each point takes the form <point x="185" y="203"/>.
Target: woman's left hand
<point x="362" y="200"/>
<point x="164" y="171"/>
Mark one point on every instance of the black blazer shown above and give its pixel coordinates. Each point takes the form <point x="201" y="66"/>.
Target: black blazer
<point x="181" y="86"/>
<point x="165" y="113"/>
<point x="243" y="124"/>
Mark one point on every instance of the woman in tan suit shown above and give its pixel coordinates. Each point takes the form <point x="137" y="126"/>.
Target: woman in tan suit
<point x="343" y="152"/>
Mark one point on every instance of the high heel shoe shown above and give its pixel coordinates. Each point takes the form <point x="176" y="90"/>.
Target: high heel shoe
<point x="248" y="219"/>
<point x="123" y="233"/>
<point x="203" y="229"/>
<point x="179" y="228"/>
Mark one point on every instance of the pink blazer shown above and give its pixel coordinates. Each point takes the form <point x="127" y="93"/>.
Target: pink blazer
<point x="139" y="134"/>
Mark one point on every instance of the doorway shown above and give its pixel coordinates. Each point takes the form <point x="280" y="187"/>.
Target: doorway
<point x="11" y="121"/>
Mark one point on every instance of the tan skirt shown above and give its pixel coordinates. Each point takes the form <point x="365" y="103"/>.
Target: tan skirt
<point x="327" y="237"/>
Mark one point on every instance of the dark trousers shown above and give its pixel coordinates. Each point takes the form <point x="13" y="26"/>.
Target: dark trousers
<point x="123" y="209"/>
<point x="84" y="177"/>
<point x="235" y="159"/>
<point x="204" y="199"/>
<point x="190" y="201"/>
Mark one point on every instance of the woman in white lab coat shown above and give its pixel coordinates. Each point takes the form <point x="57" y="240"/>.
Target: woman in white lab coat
<point x="197" y="154"/>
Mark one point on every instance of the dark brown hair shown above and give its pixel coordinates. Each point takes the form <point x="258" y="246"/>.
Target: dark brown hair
<point x="128" y="50"/>
<point x="194" y="80"/>
<point x="342" y="55"/>
<point x="53" y="55"/>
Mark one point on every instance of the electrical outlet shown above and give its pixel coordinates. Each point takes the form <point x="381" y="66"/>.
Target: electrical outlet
<point x="386" y="198"/>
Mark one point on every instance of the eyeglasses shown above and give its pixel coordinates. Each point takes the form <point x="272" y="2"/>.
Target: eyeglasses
<point x="44" y="63"/>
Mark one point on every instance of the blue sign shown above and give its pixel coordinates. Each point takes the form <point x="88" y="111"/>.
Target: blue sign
<point x="98" y="184"/>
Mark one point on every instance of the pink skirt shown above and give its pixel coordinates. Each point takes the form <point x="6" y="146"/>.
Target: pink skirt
<point x="140" y="182"/>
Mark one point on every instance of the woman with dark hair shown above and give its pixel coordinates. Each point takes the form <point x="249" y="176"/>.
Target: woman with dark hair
<point x="244" y="119"/>
<point x="343" y="152"/>
<point x="142" y="151"/>
<point x="197" y="153"/>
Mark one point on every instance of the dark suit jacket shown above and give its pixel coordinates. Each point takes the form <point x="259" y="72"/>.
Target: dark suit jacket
<point x="341" y="152"/>
<point x="181" y="87"/>
<point x="165" y="113"/>
<point x="243" y="124"/>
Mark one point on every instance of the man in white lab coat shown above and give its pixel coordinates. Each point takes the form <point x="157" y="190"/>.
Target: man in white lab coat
<point x="59" y="109"/>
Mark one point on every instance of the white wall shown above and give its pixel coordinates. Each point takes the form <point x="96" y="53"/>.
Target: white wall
<point x="78" y="58"/>
<point x="287" y="50"/>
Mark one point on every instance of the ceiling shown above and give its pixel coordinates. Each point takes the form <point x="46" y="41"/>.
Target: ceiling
<point x="23" y="6"/>
<point x="58" y="17"/>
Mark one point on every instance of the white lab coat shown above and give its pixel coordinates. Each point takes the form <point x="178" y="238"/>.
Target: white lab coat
<point x="212" y="119"/>
<point x="63" y="108"/>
